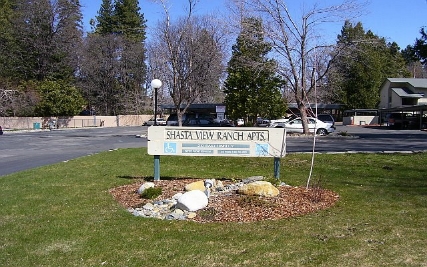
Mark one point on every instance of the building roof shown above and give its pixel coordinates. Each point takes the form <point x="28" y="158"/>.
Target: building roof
<point x="419" y="108"/>
<point x="194" y="106"/>
<point x="405" y="92"/>
<point x="415" y="82"/>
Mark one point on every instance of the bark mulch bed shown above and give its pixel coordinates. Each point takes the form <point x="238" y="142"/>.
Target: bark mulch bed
<point x="292" y="201"/>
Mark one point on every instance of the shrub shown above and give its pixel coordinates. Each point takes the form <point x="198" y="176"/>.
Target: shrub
<point x="151" y="193"/>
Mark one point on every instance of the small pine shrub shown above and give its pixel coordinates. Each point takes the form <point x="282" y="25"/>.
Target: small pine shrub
<point x="273" y="181"/>
<point x="151" y="193"/>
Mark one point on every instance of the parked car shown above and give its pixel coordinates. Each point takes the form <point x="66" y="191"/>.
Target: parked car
<point x="284" y="119"/>
<point x="173" y="119"/>
<point x="327" y="118"/>
<point x="160" y="121"/>
<point x="240" y="122"/>
<point x="1" y="130"/>
<point x="261" y="122"/>
<point x="314" y="125"/>
<point x="207" y="122"/>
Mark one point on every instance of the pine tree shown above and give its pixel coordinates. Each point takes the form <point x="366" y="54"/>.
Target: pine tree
<point x="105" y="19"/>
<point x="47" y="36"/>
<point x="252" y="87"/>
<point x="420" y="46"/>
<point x="7" y="39"/>
<point x="68" y="38"/>
<point x="364" y="62"/>
<point x="128" y="20"/>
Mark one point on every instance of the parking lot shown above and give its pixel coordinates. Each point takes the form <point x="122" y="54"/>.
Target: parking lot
<point x="30" y="149"/>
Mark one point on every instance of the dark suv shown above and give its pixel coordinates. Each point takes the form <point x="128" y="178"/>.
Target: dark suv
<point x="327" y="118"/>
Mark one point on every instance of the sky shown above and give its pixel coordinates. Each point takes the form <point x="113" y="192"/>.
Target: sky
<point x="397" y="21"/>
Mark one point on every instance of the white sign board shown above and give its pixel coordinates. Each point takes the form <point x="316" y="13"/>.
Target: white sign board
<point x="215" y="141"/>
<point x="220" y="109"/>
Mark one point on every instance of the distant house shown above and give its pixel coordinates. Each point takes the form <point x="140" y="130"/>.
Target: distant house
<point x="403" y="92"/>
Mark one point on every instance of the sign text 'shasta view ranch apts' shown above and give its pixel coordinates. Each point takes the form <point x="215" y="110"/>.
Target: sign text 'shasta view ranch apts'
<point x="215" y="141"/>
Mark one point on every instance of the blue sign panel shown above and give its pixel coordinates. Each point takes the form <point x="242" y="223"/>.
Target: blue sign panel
<point x="261" y="149"/>
<point x="169" y="148"/>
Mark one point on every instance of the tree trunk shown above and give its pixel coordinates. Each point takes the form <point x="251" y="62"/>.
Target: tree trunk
<point x="303" y="113"/>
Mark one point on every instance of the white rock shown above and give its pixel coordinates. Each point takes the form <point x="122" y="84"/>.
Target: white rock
<point x="176" y="196"/>
<point x="148" y="206"/>
<point x="192" y="201"/>
<point x="145" y="186"/>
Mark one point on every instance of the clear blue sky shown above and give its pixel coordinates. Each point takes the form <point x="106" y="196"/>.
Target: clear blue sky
<point x="396" y="20"/>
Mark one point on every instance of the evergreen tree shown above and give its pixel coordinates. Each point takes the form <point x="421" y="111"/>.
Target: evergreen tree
<point x="119" y="35"/>
<point x="39" y="41"/>
<point x="128" y="20"/>
<point x="413" y="63"/>
<point x="420" y="46"/>
<point x="68" y="38"/>
<point x="122" y="18"/>
<point x="46" y="38"/>
<point x="33" y="27"/>
<point x="104" y="23"/>
<point x="364" y="62"/>
<point x="252" y="87"/>
<point x="59" y="99"/>
<point x="7" y="39"/>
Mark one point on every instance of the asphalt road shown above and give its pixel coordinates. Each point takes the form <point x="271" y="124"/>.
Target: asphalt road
<point x="30" y="149"/>
<point x="363" y="139"/>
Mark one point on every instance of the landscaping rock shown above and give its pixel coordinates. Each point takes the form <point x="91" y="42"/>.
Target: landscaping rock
<point x="259" y="188"/>
<point x="149" y="206"/>
<point x="144" y="187"/>
<point x="192" y="201"/>
<point x="191" y="215"/>
<point x="219" y="186"/>
<point x="177" y="195"/>
<point x="252" y="179"/>
<point x="199" y="185"/>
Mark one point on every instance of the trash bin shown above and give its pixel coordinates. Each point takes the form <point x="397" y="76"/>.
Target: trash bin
<point x="36" y="125"/>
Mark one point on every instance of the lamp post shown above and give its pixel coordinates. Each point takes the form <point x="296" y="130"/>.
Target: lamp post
<point x="155" y="84"/>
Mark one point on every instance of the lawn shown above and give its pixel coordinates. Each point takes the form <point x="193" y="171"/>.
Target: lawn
<point x="63" y="214"/>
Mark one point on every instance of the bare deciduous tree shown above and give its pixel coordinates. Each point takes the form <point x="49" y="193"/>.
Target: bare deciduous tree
<point x="187" y="56"/>
<point x="297" y="44"/>
<point x="98" y="73"/>
<point x="17" y="100"/>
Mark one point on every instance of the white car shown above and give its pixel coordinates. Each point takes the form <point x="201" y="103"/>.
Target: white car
<point x="160" y="121"/>
<point x="240" y="122"/>
<point x="282" y="120"/>
<point x="314" y="125"/>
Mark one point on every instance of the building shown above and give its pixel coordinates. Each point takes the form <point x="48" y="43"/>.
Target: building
<point x="407" y="96"/>
<point x="403" y="92"/>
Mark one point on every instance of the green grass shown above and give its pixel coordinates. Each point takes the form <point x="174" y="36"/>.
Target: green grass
<point x="63" y="215"/>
